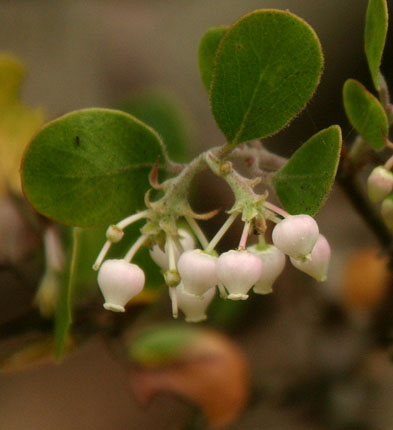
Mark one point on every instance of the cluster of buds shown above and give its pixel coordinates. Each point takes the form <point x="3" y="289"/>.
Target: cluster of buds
<point x="380" y="187"/>
<point x="193" y="274"/>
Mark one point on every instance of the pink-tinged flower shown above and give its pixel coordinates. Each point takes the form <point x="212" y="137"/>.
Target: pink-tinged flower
<point x="194" y="307"/>
<point x="119" y="282"/>
<point x="318" y="265"/>
<point x="296" y="235"/>
<point x="161" y="258"/>
<point x="273" y="261"/>
<point x="238" y="271"/>
<point x="197" y="271"/>
<point x="379" y="184"/>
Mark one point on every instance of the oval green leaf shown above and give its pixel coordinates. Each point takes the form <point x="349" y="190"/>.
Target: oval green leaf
<point x="303" y="184"/>
<point x="167" y="116"/>
<point x="90" y="167"/>
<point x="207" y="53"/>
<point x="267" y="67"/>
<point x="365" y="113"/>
<point x="375" y="36"/>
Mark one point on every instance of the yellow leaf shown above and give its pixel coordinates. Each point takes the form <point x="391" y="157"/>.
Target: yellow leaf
<point x="18" y="122"/>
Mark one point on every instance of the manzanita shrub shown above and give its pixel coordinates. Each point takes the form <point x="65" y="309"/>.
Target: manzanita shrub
<point x="96" y="167"/>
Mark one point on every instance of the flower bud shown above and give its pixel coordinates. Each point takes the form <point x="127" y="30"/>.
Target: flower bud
<point x="172" y="278"/>
<point x="54" y="253"/>
<point x="379" y="184"/>
<point x="296" y="235"/>
<point x="197" y="271"/>
<point x="161" y="258"/>
<point x="47" y="295"/>
<point x="194" y="307"/>
<point x="317" y="266"/>
<point x="119" y="282"/>
<point x="114" y="234"/>
<point x="273" y="261"/>
<point x="387" y="211"/>
<point x="238" y="271"/>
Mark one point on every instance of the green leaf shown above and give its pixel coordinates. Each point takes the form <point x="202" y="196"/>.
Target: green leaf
<point x="90" y="167"/>
<point x="162" y="344"/>
<point x="375" y="36"/>
<point x="63" y="317"/>
<point x="167" y="116"/>
<point x="303" y="184"/>
<point x="365" y="113"/>
<point x="267" y="68"/>
<point x="207" y="53"/>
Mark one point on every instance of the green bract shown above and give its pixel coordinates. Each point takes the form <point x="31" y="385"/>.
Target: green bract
<point x="365" y="113"/>
<point x="267" y="67"/>
<point x="375" y="36"/>
<point x="207" y="53"/>
<point x="90" y="167"/>
<point x="305" y="181"/>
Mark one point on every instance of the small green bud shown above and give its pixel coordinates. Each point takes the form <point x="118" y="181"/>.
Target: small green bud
<point x="225" y="168"/>
<point x="172" y="278"/>
<point x="114" y="234"/>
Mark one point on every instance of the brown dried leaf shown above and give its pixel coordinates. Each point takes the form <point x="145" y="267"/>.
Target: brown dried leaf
<point x="210" y="371"/>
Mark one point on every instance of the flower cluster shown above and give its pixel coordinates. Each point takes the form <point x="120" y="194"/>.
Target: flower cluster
<point x="193" y="274"/>
<point x="380" y="187"/>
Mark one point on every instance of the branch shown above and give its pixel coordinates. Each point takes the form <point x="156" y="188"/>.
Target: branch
<point x="257" y="157"/>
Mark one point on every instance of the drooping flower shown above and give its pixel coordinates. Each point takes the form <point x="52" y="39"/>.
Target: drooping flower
<point x="238" y="270"/>
<point x="296" y="235"/>
<point x="194" y="307"/>
<point x="379" y="184"/>
<point x="161" y="257"/>
<point x="318" y="265"/>
<point x="119" y="282"/>
<point x="197" y="270"/>
<point x="273" y="261"/>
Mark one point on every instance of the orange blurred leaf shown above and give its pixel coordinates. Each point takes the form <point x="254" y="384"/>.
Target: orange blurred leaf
<point x="208" y="369"/>
<point x="365" y="280"/>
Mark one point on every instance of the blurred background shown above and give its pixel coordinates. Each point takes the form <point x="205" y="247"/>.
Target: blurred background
<point x="317" y="354"/>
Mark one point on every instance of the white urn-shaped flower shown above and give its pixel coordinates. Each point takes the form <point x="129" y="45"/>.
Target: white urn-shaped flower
<point x="379" y="184"/>
<point x="273" y="261"/>
<point x="318" y="265"/>
<point x="238" y="271"/>
<point x="119" y="282"/>
<point x="296" y="235"/>
<point x="194" y="307"/>
<point x="197" y="271"/>
<point x="161" y="257"/>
